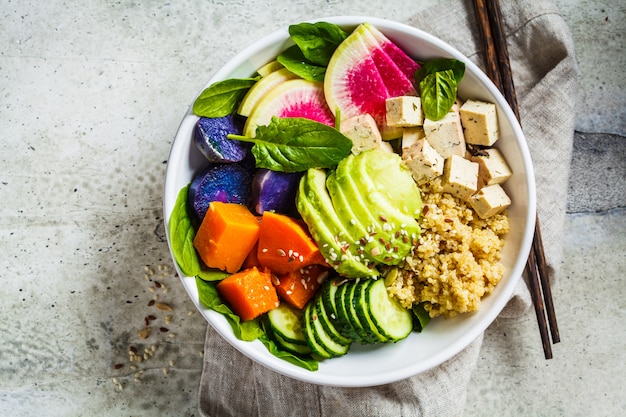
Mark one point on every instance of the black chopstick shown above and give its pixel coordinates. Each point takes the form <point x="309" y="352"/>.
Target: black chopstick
<point x="498" y="68"/>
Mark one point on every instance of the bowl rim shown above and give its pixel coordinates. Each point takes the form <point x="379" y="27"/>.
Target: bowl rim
<point x="250" y="349"/>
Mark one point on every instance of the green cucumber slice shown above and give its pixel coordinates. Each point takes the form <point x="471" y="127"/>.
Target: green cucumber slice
<point x="362" y="311"/>
<point x="286" y="321"/>
<point x="309" y="335"/>
<point x="390" y="318"/>
<point x="365" y="337"/>
<point x="327" y="323"/>
<point x="344" y="324"/>
<point x="295" y="348"/>
<point x="323" y="338"/>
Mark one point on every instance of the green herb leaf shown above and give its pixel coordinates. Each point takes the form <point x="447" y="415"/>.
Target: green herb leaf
<point x="293" y="59"/>
<point x="438" y="92"/>
<point x="317" y="41"/>
<point x="182" y="234"/>
<point x="209" y="297"/>
<point x="441" y="64"/>
<point x="223" y="97"/>
<point x="420" y="317"/>
<point x="297" y="144"/>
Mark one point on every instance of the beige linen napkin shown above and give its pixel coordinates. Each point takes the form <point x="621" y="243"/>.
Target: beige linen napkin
<point x="544" y="70"/>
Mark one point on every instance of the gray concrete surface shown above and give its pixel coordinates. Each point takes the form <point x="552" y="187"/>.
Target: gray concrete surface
<point x="83" y="86"/>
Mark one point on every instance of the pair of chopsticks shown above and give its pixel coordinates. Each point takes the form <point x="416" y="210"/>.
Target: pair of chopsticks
<point x="491" y="27"/>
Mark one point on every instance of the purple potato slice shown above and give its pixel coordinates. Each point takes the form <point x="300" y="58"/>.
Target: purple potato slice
<point x="211" y="138"/>
<point x="274" y="191"/>
<point x="228" y="183"/>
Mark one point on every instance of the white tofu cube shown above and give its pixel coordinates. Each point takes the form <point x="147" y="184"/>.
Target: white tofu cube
<point x="480" y="122"/>
<point x="423" y="161"/>
<point x="404" y="111"/>
<point x="492" y="167"/>
<point x="446" y="135"/>
<point x="410" y="136"/>
<point x="489" y="201"/>
<point x="362" y="131"/>
<point x="460" y="177"/>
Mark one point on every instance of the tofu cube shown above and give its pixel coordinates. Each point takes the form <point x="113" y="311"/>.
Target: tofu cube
<point x="363" y="132"/>
<point x="480" y="122"/>
<point x="446" y="135"/>
<point x="489" y="201"/>
<point x="410" y="136"/>
<point x="423" y="161"/>
<point x="460" y="177"/>
<point x="404" y="111"/>
<point x="492" y="167"/>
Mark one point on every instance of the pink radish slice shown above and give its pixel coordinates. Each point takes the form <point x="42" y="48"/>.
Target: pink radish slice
<point x="405" y="63"/>
<point x="292" y="98"/>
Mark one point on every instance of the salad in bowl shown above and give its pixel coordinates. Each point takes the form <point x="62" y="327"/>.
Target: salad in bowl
<point x="349" y="201"/>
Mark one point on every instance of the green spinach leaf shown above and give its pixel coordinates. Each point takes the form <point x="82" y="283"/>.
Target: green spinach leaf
<point x="182" y="234"/>
<point x="293" y="59"/>
<point x="441" y="64"/>
<point x="438" y="92"/>
<point x="223" y="97"/>
<point x="317" y="41"/>
<point x="420" y="317"/>
<point x="438" y="80"/>
<point x="297" y="144"/>
<point x="210" y="298"/>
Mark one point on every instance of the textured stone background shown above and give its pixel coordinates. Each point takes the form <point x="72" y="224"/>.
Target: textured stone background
<point x="91" y="97"/>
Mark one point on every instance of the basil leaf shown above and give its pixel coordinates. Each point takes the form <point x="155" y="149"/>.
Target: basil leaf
<point x="293" y="59"/>
<point x="438" y="92"/>
<point x="210" y="298"/>
<point x="441" y="64"/>
<point x="317" y="41"/>
<point x="182" y="234"/>
<point x="297" y="144"/>
<point x="223" y="97"/>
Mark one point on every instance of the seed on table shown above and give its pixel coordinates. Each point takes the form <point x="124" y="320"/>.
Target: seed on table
<point x="164" y="307"/>
<point x="165" y="370"/>
<point x="164" y="329"/>
<point x="118" y="366"/>
<point x="144" y="333"/>
<point x="115" y="381"/>
<point x="151" y="303"/>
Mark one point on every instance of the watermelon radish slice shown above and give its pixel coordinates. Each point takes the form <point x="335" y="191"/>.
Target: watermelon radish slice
<point x="407" y="65"/>
<point x="292" y="98"/>
<point x="262" y="87"/>
<point x="361" y="76"/>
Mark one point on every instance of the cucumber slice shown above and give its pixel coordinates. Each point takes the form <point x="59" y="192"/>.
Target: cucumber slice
<point x="362" y="311"/>
<point x="344" y="325"/>
<point x="365" y="337"/>
<point x="327" y="323"/>
<point x="309" y="335"/>
<point x="295" y="348"/>
<point x="390" y="318"/>
<point x="286" y="321"/>
<point x="323" y="338"/>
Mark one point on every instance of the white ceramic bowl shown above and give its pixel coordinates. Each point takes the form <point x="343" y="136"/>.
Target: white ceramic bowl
<point x="442" y="339"/>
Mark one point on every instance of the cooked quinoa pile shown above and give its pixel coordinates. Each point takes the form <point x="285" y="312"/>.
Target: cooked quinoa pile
<point x="457" y="260"/>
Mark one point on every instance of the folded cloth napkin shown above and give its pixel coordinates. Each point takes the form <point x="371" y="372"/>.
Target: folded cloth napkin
<point x="544" y="69"/>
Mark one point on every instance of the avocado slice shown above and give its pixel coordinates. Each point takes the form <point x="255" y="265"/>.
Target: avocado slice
<point x="386" y="198"/>
<point x="361" y="225"/>
<point x="317" y="211"/>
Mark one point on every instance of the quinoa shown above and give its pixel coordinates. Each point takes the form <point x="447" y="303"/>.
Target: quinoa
<point x="457" y="259"/>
